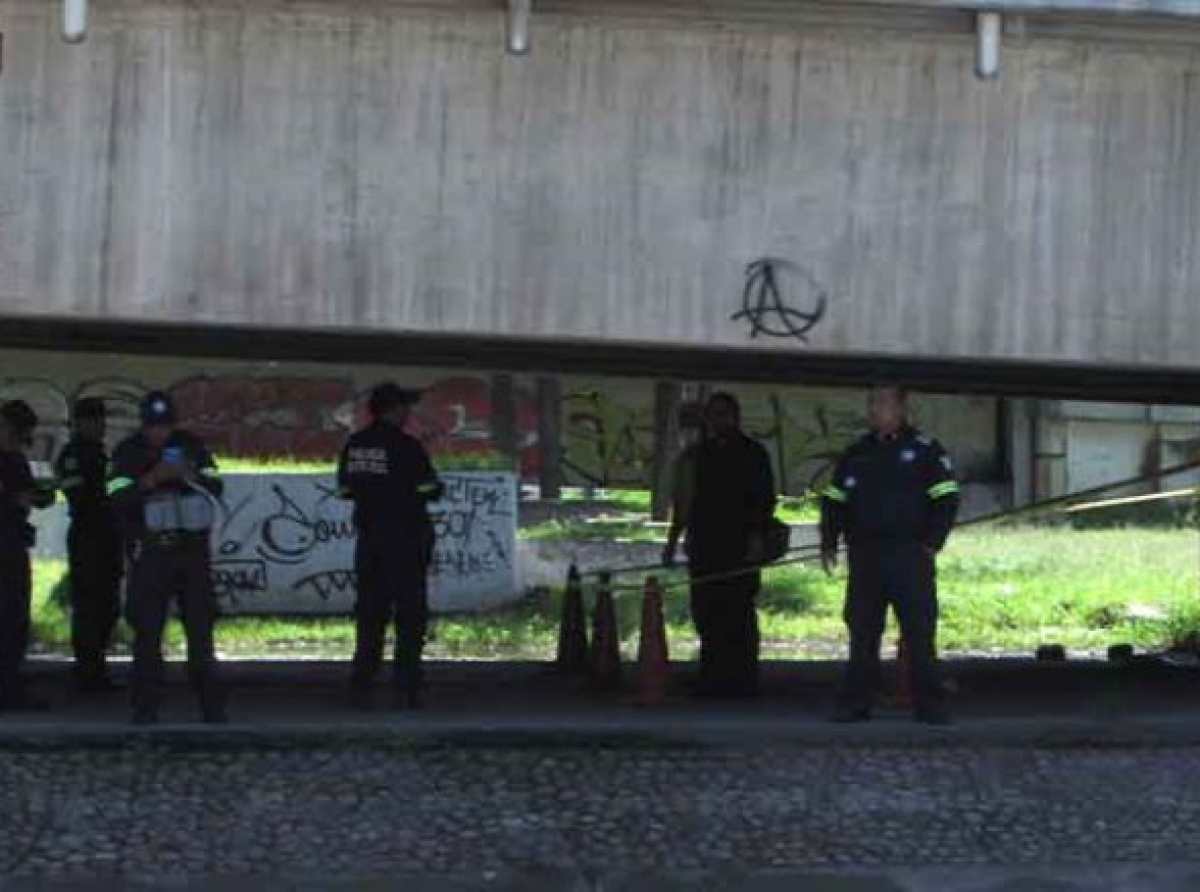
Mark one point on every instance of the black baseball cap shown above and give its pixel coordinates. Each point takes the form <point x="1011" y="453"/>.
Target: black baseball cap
<point x="389" y="395"/>
<point x="90" y="407"/>
<point x="157" y="407"/>
<point x="18" y="415"/>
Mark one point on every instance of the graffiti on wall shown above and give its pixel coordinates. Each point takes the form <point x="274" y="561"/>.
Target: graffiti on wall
<point x="304" y="417"/>
<point x="285" y="542"/>
<point x="765" y="306"/>
<point x="608" y="441"/>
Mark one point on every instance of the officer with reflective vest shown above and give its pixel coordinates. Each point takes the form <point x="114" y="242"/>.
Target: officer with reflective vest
<point x="94" y="552"/>
<point x="19" y="494"/>
<point x="391" y="481"/>
<point x="893" y="499"/>
<point x="164" y="484"/>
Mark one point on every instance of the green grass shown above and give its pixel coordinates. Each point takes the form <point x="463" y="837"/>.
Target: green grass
<point x="482" y="461"/>
<point x="611" y="527"/>
<point x="1001" y="589"/>
<point x="798" y="509"/>
<point x="632" y="500"/>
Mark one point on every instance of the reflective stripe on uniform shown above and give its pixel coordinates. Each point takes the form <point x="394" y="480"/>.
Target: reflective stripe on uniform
<point x="943" y="489"/>
<point x="426" y="488"/>
<point x="209" y="472"/>
<point x="835" y="495"/>
<point x="119" y="483"/>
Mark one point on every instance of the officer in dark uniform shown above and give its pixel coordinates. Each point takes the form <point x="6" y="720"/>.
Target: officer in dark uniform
<point x="388" y="476"/>
<point x="163" y="485"/>
<point x="94" y="550"/>
<point x="723" y="500"/>
<point x="18" y="495"/>
<point x="893" y="498"/>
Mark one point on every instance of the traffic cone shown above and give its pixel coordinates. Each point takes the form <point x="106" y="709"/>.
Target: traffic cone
<point x="604" y="663"/>
<point x="653" y="665"/>
<point x="572" y="631"/>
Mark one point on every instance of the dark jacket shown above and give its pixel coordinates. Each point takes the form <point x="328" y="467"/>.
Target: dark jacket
<point x="16" y="480"/>
<point x="134" y="457"/>
<point x="897" y="489"/>
<point x="82" y="470"/>
<point x="724" y="492"/>
<point x="388" y="476"/>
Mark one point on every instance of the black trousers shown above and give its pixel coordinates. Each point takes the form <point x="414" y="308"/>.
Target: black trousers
<point x="95" y="559"/>
<point x="901" y="575"/>
<point x="15" y="594"/>
<point x="726" y="621"/>
<point x="159" y="573"/>
<point x="391" y="570"/>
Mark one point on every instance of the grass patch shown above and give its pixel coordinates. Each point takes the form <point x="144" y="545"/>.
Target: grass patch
<point x="630" y="528"/>
<point x="448" y="461"/>
<point x="1001" y="589"/>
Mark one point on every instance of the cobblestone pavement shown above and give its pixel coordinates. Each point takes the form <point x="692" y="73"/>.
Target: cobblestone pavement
<point x="147" y="809"/>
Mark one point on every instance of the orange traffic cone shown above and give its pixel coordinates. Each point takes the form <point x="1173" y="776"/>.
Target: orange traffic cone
<point x="604" y="663"/>
<point x="653" y="665"/>
<point x="572" y="631"/>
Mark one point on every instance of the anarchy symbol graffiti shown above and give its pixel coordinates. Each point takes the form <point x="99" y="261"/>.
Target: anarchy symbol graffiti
<point x="763" y="303"/>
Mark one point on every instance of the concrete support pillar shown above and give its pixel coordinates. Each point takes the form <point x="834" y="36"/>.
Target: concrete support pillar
<point x="504" y="417"/>
<point x="550" y="461"/>
<point x="1019" y="447"/>
<point x="668" y="397"/>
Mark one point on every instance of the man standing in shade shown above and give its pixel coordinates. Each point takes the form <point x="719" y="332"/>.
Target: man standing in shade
<point x="19" y="494"/>
<point x="94" y="549"/>
<point x="723" y="500"/>
<point x="893" y="498"/>
<point x="163" y="484"/>
<point x="388" y="476"/>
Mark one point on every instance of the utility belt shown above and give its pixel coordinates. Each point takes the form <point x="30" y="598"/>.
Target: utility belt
<point x="173" y="513"/>
<point x="173" y="539"/>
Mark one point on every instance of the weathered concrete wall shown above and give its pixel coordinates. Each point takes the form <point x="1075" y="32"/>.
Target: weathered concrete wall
<point x="306" y="410"/>
<point x="383" y="165"/>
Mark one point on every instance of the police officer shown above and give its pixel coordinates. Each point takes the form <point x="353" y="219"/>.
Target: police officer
<point x="893" y="499"/>
<point x="94" y="550"/>
<point x="388" y="476"/>
<point x="724" y="497"/>
<point x="18" y="495"/>
<point x="163" y="485"/>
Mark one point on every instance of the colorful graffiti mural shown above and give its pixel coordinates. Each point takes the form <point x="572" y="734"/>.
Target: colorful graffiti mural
<point x="300" y="417"/>
<point x="608" y="435"/>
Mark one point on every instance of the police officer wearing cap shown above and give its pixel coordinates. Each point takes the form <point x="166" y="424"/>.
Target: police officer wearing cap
<point x="18" y="495"/>
<point x="94" y="550"/>
<point x="163" y="484"/>
<point x="388" y="476"/>
<point x="893" y="499"/>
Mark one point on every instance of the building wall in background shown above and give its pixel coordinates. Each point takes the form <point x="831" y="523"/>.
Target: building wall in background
<point x="305" y="411"/>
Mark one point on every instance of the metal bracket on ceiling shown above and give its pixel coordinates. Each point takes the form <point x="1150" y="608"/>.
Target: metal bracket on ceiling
<point x="74" y="20"/>
<point x="519" y="12"/>
<point x="988" y="29"/>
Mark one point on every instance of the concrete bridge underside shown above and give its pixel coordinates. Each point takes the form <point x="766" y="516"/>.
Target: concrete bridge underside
<point x="1128" y="384"/>
<point x="383" y="176"/>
